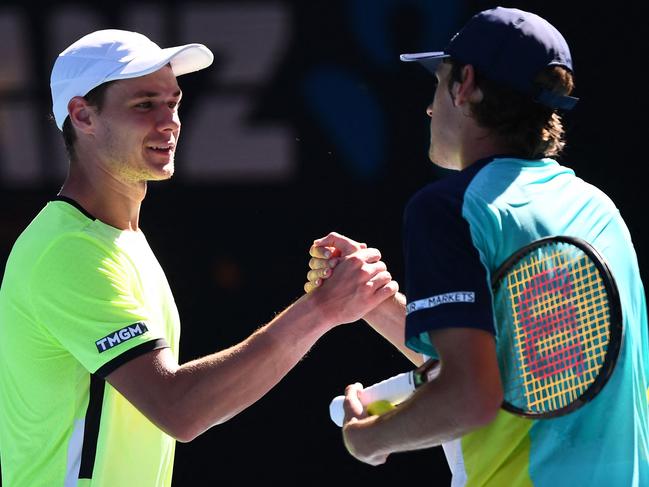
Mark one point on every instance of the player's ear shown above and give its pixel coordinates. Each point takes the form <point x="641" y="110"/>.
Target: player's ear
<point x="467" y="89"/>
<point x="80" y="113"/>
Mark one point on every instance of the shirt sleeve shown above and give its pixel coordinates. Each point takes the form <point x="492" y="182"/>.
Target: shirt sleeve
<point x="446" y="282"/>
<point x="83" y="295"/>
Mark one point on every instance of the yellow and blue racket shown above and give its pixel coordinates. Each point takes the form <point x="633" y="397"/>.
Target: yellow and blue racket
<point x="558" y="326"/>
<point x="558" y="331"/>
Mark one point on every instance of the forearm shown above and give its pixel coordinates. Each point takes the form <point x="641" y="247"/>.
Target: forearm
<point x="429" y="418"/>
<point x="389" y="320"/>
<point x="212" y="389"/>
<point x="466" y="394"/>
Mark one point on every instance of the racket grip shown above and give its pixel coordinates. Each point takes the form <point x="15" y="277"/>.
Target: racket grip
<point x="395" y="390"/>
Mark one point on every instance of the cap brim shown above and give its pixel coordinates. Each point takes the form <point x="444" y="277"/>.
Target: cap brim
<point x="183" y="59"/>
<point x="429" y="60"/>
<point x="190" y="58"/>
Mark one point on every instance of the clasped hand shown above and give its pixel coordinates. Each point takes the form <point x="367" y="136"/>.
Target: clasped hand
<point x="358" y="281"/>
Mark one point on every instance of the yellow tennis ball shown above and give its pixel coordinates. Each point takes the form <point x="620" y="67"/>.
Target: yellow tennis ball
<point x="379" y="407"/>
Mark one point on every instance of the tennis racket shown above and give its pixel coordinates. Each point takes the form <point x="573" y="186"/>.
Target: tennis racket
<point x="558" y="326"/>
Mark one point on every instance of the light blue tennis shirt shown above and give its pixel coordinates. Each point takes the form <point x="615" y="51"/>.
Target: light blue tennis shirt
<point x="459" y="230"/>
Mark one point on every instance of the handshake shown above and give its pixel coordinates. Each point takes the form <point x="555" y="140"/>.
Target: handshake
<point x="358" y="278"/>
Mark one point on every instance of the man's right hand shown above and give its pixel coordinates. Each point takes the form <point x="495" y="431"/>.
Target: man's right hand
<point x="361" y="281"/>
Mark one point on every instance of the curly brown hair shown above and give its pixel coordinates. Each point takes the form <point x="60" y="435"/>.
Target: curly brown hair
<point x="531" y="130"/>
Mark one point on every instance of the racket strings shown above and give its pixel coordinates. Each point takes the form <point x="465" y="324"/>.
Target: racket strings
<point x="560" y="319"/>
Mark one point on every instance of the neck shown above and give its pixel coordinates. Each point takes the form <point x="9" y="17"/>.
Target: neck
<point x="105" y="197"/>
<point x="479" y="146"/>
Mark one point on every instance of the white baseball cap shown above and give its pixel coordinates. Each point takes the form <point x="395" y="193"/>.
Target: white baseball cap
<point x="111" y="54"/>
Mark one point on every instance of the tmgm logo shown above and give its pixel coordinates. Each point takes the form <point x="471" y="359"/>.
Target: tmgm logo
<point x="120" y="336"/>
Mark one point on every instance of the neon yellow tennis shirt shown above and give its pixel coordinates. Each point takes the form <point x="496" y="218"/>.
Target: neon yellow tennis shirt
<point x="79" y="298"/>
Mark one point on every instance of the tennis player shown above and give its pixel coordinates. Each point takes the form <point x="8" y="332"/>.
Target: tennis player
<point x="503" y="82"/>
<point x="91" y="392"/>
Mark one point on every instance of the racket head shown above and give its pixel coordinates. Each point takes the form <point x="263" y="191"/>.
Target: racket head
<point x="558" y="326"/>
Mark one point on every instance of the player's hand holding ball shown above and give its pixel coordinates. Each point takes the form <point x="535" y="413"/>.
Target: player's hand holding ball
<point x="353" y="428"/>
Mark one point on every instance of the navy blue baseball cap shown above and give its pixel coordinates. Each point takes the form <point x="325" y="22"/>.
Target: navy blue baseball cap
<point x="509" y="46"/>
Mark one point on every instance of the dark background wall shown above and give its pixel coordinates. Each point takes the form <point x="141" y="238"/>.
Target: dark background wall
<point x="306" y="123"/>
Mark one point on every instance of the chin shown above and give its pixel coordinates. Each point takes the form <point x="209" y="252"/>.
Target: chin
<point x="162" y="173"/>
<point x="164" y="176"/>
